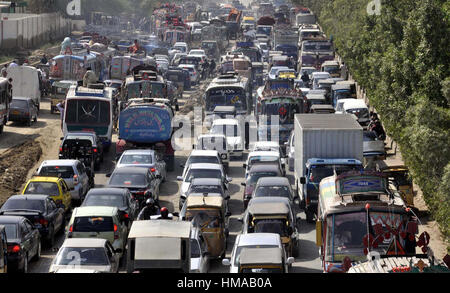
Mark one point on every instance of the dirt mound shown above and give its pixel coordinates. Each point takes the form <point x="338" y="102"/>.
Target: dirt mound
<point x="14" y="167"/>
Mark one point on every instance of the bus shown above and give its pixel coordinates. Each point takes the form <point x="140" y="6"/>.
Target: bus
<point x="229" y="90"/>
<point x="357" y="213"/>
<point x="89" y="109"/>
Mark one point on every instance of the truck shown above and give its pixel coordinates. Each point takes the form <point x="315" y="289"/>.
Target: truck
<point x="25" y="83"/>
<point x="325" y="144"/>
<point x="305" y="18"/>
<point x="286" y="40"/>
<point x="147" y="123"/>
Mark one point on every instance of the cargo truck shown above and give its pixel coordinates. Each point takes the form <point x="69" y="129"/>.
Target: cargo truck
<point x="325" y="144"/>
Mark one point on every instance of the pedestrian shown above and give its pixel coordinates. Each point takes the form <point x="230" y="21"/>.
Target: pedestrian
<point x="4" y="72"/>
<point x="44" y="59"/>
<point x="61" y="106"/>
<point x="89" y="77"/>
<point x="13" y="64"/>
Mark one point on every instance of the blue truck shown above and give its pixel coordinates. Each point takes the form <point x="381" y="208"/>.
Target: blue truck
<point x="325" y="144"/>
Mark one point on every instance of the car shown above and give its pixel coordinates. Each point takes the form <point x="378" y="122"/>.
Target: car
<point x="309" y="70"/>
<point x="263" y="157"/>
<point x="23" y="240"/>
<point x="40" y="210"/>
<point x="290" y="151"/>
<point x="94" y="156"/>
<point x="359" y="108"/>
<point x="55" y="187"/>
<point x="86" y="254"/>
<point x="252" y="240"/>
<point x="216" y="142"/>
<point x="258" y="171"/>
<point x="208" y="187"/>
<point x="141" y="182"/>
<point x="99" y="222"/>
<point x="261" y="146"/>
<point x="23" y="110"/>
<point x="197" y="52"/>
<point x="199" y="252"/>
<point x="144" y="158"/>
<point x="274" y="186"/>
<point x="316" y="76"/>
<point x="202" y="156"/>
<point x="274" y="71"/>
<point x="181" y="46"/>
<point x="113" y="197"/>
<point x="202" y="170"/>
<point x="193" y="72"/>
<point x="73" y="172"/>
<point x="234" y="134"/>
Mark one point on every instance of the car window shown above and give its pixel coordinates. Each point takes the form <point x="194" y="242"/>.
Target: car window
<point x="128" y="179"/>
<point x="24" y="229"/>
<point x="65" y="172"/>
<point x="109" y="200"/>
<point x="136" y="159"/>
<point x="11" y="231"/>
<point x="49" y="188"/>
<point x="93" y="224"/>
<point x="29" y="204"/>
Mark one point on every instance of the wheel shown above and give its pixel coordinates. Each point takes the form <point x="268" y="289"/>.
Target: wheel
<point x="38" y="253"/>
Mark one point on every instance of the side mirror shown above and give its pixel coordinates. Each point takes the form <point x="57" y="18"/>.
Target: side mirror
<point x="179" y="178"/>
<point x="303" y="180"/>
<point x="290" y="260"/>
<point x="226" y="262"/>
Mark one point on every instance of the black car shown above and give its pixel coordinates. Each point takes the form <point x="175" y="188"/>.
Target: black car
<point x="258" y="171"/>
<point x="83" y="146"/>
<point x="23" y="110"/>
<point x="115" y="197"/>
<point x="139" y="181"/>
<point x="41" y="210"/>
<point x="24" y="242"/>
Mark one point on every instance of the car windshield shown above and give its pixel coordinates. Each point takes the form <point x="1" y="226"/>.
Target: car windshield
<point x="204" y="218"/>
<point x="48" y="188"/>
<point x="136" y="159"/>
<point x="280" y="191"/>
<point x="202" y="159"/>
<point x="237" y="254"/>
<point x="21" y="104"/>
<point x="80" y="137"/>
<point x="206" y="188"/>
<point x="277" y="226"/>
<point x="93" y="224"/>
<point x="203" y="173"/>
<point x="360" y="113"/>
<point x="255" y="176"/>
<point x="195" y="248"/>
<point x="262" y="159"/>
<point x="11" y="231"/>
<point x="65" y="172"/>
<point x="127" y="179"/>
<point x="227" y="130"/>
<point x="82" y="256"/>
<point x="22" y="204"/>
<point x="345" y="233"/>
<point x="105" y="200"/>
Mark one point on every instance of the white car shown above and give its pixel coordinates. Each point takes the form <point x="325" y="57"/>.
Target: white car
<point x="197" y="52"/>
<point x="358" y="108"/>
<point x="193" y="73"/>
<point x="216" y="142"/>
<point x="201" y="170"/>
<point x="252" y="240"/>
<point x="274" y="71"/>
<point x="290" y="151"/>
<point x="181" y="46"/>
<point x="263" y="156"/>
<point x="260" y="146"/>
<point x="144" y="158"/>
<point x="73" y="172"/>
<point x="201" y="156"/>
<point x="234" y="134"/>
<point x="90" y="254"/>
<point x="316" y="76"/>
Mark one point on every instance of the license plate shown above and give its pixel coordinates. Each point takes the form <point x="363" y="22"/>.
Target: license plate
<point x="15" y="112"/>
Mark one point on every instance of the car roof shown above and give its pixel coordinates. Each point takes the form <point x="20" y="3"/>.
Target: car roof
<point x="273" y="181"/>
<point x="258" y="239"/>
<point x="138" y="152"/>
<point x="206" y="181"/>
<point x="205" y="166"/>
<point x="204" y="201"/>
<point x="267" y="208"/>
<point x="95" y="211"/>
<point x="354" y="103"/>
<point x="59" y="163"/>
<point x="29" y="196"/>
<point x="134" y="170"/>
<point x="206" y="153"/>
<point x="84" y="242"/>
<point x="266" y="167"/>
<point x="107" y="191"/>
<point x="264" y="153"/>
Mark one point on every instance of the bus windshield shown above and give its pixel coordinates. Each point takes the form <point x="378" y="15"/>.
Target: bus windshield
<point x="226" y="97"/>
<point x="283" y="109"/>
<point x="88" y="112"/>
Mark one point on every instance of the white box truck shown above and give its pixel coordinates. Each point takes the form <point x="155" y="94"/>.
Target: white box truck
<point x="324" y="144"/>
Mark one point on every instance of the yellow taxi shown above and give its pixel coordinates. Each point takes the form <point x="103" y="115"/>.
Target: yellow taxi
<point x="55" y="187"/>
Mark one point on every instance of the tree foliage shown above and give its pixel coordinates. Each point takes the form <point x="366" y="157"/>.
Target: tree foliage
<point x="401" y="58"/>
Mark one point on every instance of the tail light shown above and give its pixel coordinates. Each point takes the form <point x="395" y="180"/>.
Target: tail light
<point x="116" y="233"/>
<point x="95" y="150"/>
<point x="75" y="179"/>
<point x="43" y="222"/>
<point x="13" y="248"/>
<point x="60" y="149"/>
<point x="71" y="228"/>
<point x="152" y="170"/>
<point x="126" y="216"/>
<point x="140" y="193"/>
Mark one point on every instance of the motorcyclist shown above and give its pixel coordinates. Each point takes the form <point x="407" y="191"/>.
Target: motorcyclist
<point x="164" y="214"/>
<point x="149" y="210"/>
<point x="375" y="125"/>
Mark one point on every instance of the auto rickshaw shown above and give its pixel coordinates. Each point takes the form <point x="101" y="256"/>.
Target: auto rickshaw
<point x="264" y="260"/>
<point x="209" y="214"/>
<point x="399" y="178"/>
<point x="59" y="92"/>
<point x="273" y="215"/>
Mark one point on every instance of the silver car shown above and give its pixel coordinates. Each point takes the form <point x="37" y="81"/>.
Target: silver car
<point x="199" y="252"/>
<point x="144" y="158"/>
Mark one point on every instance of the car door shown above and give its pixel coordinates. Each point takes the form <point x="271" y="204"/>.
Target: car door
<point x="83" y="178"/>
<point x="112" y="257"/>
<point x="31" y="238"/>
<point x="67" y="197"/>
<point x="56" y="214"/>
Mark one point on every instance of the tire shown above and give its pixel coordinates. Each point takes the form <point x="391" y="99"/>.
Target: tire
<point x="38" y="253"/>
<point x="35" y="119"/>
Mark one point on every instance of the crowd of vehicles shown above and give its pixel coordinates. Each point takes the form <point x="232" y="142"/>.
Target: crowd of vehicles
<point x="306" y="120"/>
